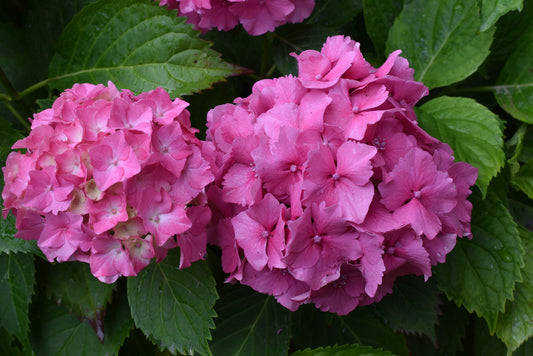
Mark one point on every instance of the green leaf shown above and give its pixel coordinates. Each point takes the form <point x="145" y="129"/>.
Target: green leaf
<point x="472" y="131"/>
<point x="313" y="328"/>
<point x="450" y="331"/>
<point x="492" y="10"/>
<point x="17" y="278"/>
<point x="250" y="323"/>
<point x="412" y="307"/>
<point x="483" y="342"/>
<point x="138" y="45"/>
<point x="379" y="17"/>
<point x="440" y="39"/>
<point x="514" y="89"/>
<point x="515" y="326"/>
<point x="8" y="345"/>
<point x="522" y="212"/>
<point x="523" y="180"/>
<point x="343" y="350"/>
<point x="481" y="273"/>
<point x="326" y="12"/>
<point x="56" y="332"/>
<point x="174" y="307"/>
<point x="10" y="244"/>
<point x="78" y="290"/>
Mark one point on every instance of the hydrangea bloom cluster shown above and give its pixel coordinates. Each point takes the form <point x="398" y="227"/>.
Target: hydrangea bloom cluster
<point x="110" y="179"/>
<point x="256" y="16"/>
<point x="326" y="189"/>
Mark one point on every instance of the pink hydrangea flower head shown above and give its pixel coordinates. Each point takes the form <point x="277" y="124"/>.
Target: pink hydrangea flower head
<point x="326" y="189"/>
<point x="111" y="179"/>
<point x="256" y="16"/>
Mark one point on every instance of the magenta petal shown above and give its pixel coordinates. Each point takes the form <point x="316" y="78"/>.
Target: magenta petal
<point x="249" y="235"/>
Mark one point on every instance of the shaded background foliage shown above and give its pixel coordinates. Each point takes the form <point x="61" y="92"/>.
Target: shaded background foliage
<point x="476" y="56"/>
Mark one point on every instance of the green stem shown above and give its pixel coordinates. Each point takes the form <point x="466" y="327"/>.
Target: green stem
<point x="24" y="122"/>
<point x="35" y="87"/>
<point x="8" y="86"/>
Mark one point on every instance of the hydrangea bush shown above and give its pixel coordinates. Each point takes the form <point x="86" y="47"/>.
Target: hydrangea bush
<point x="328" y="178"/>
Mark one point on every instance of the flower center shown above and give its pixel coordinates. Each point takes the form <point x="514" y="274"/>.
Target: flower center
<point x="293" y="168"/>
<point x="379" y="143"/>
<point x="417" y="194"/>
<point x="335" y="176"/>
<point x="317" y="239"/>
<point x="265" y="234"/>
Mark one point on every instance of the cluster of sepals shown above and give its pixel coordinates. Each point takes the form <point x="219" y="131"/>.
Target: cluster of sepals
<point x="326" y="189"/>
<point x="111" y="179"/>
<point x="256" y="16"/>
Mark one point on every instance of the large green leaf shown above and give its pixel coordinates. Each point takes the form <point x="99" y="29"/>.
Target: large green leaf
<point x="379" y="17"/>
<point x="17" y="278"/>
<point x="73" y="285"/>
<point x="250" y="324"/>
<point x="481" y="273"/>
<point x="440" y="39"/>
<point x="492" y="10"/>
<point x="514" y="89"/>
<point x="56" y="332"/>
<point x="313" y="328"/>
<point x="343" y="350"/>
<point x="174" y="307"/>
<point x="137" y="45"/>
<point x="412" y="307"/>
<point x="472" y="131"/>
<point x="516" y="325"/>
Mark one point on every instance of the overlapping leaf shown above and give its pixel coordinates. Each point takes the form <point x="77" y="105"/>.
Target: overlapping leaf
<point x="17" y="278"/>
<point x="313" y="328"/>
<point x="492" y="10"/>
<point x="470" y="129"/>
<point x="78" y="290"/>
<point x="516" y="325"/>
<point x="441" y="39"/>
<point x="379" y="17"/>
<point x="137" y="45"/>
<point x="250" y="324"/>
<point x="481" y="273"/>
<point x="56" y="332"/>
<point x="514" y="89"/>
<point x="343" y="350"/>
<point x="412" y="307"/>
<point x="174" y="307"/>
<point x="523" y="179"/>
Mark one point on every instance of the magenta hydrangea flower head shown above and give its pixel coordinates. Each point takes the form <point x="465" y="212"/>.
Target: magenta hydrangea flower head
<point x="326" y="189"/>
<point x="111" y="179"/>
<point x="256" y="16"/>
